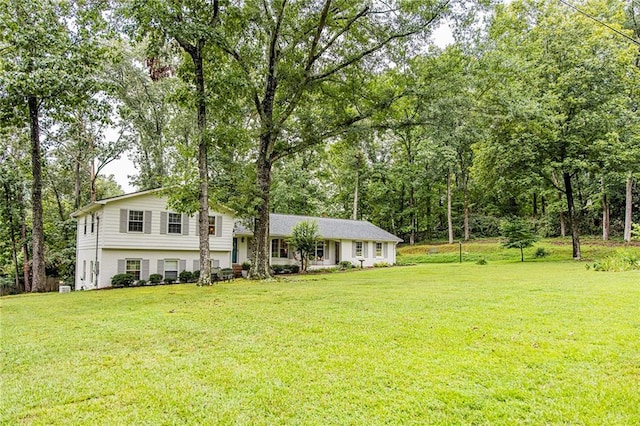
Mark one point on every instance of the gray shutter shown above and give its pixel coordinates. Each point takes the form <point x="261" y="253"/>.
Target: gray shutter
<point x="147" y="222"/>
<point x="385" y="249"/>
<point x="198" y="224"/>
<point x="183" y="265"/>
<point x="196" y="265"/>
<point x="163" y="222"/>
<point x="218" y="226"/>
<point x="185" y="224"/>
<point x="121" y="266"/>
<point x="353" y="249"/>
<point x="124" y="213"/>
<point x="144" y="273"/>
<point x="160" y="269"/>
<point x="365" y="248"/>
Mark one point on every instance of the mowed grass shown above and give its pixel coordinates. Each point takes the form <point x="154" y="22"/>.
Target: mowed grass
<point x="513" y="343"/>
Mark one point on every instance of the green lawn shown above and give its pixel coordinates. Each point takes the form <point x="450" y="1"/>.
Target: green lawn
<point x="503" y="343"/>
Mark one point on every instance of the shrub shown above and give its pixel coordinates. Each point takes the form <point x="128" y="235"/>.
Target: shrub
<point x="186" y="276"/>
<point x="541" y="252"/>
<point x="141" y="282"/>
<point x="196" y="275"/>
<point x="619" y="262"/>
<point x="482" y="261"/>
<point x="122" y="280"/>
<point x="294" y="269"/>
<point x="345" y="264"/>
<point x="381" y="265"/>
<point x="246" y="266"/>
<point x="169" y="280"/>
<point x="155" y="278"/>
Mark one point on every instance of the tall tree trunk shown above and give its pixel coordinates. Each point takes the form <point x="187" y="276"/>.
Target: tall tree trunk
<point x="628" y="210"/>
<point x="25" y="247"/>
<point x="467" y="231"/>
<point x="449" y="208"/>
<point x="203" y="168"/>
<point x="77" y="186"/>
<point x="260" y="268"/>
<point x="412" y="216"/>
<point x="354" y="216"/>
<point x="573" y="219"/>
<point x="535" y="205"/>
<point x="38" y="268"/>
<point x="605" y="214"/>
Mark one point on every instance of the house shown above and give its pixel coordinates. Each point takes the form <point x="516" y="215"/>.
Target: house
<point x="136" y="233"/>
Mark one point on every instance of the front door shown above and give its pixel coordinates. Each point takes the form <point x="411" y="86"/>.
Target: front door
<point x="234" y="252"/>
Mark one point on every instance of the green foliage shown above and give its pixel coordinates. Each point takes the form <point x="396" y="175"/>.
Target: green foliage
<point x="169" y="280"/>
<point x="345" y="264"/>
<point x="482" y="261"/>
<point x="122" y="280"/>
<point x="186" y="276"/>
<point x="517" y="234"/>
<point x="541" y="252"/>
<point x="304" y="239"/>
<point x="246" y="266"/>
<point x="623" y="260"/>
<point x="635" y="231"/>
<point x="381" y="265"/>
<point x="155" y="278"/>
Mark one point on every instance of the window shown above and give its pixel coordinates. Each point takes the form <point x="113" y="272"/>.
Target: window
<point x="212" y="225"/>
<point x="320" y="250"/>
<point x="279" y="248"/>
<point x="135" y="220"/>
<point x="358" y="248"/>
<point x="378" y="249"/>
<point x="84" y="270"/>
<point x="93" y="222"/>
<point x="133" y="268"/>
<point x="171" y="269"/>
<point x="175" y="223"/>
<point x="85" y="225"/>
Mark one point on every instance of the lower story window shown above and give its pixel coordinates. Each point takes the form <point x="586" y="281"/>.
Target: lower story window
<point x="171" y="269"/>
<point x="279" y="248"/>
<point x="320" y="251"/>
<point x="359" y="248"/>
<point x="133" y="268"/>
<point x="378" y="249"/>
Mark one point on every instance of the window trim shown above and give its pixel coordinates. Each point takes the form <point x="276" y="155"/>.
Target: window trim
<point x="212" y="225"/>
<point x="130" y="221"/>
<point x="281" y="250"/>
<point x="177" y="270"/>
<point x="128" y="271"/>
<point x="378" y="243"/>
<point x="360" y="250"/>
<point x="178" y="223"/>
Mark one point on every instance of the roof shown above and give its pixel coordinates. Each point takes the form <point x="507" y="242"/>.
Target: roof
<point x="280" y="225"/>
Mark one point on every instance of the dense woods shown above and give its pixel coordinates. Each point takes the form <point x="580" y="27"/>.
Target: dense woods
<point x="341" y="108"/>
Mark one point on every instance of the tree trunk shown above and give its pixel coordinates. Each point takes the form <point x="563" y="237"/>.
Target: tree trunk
<point x="449" y="209"/>
<point x="412" y="216"/>
<point x="467" y="231"/>
<point x="203" y="169"/>
<point x="38" y="268"/>
<point x="25" y="248"/>
<point x="260" y="268"/>
<point x="535" y="205"/>
<point x="573" y="219"/>
<point x="628" y="210"/>
<point x="355" y="196"/>
<point x="605" y="217"/>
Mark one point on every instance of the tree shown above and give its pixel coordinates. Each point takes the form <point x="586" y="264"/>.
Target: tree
<point x="191" y="24"/>
<point x="301" y="63"/>
<point x="305" y="237"/>
<point x="50" y="50"/>
<point x="518" y="234"/>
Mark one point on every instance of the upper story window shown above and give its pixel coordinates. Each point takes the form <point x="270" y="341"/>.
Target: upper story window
<point x="93" y="222"/>
<point x="359" y="248"/>
<point x="85" y="225"/>
<point x="378" y="249"/>
<point x="136" y="218"/>
<point x="175" y="223"/>
<point x="279" y="248"/>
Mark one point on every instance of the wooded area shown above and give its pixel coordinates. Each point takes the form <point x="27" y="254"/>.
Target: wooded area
<point x="340" y="108"/>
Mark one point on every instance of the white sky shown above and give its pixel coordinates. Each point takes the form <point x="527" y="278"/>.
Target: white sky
<point x="123" y="167"/>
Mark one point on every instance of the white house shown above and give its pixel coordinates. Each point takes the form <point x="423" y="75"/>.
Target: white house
<point x="136" y="233"/>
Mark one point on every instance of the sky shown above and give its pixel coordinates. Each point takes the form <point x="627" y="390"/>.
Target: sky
<point x="123" y="167"/>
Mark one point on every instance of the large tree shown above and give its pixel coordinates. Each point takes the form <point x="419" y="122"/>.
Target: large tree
<point x="302" y="62"/>
<point x="50" y="49"/>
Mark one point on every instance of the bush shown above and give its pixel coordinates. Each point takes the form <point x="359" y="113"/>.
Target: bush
<point x="141" y="282"/>
<point x="294" y="269"/>
<point x="186" y="276"/>
<point x="155" y="279"/>
<point x="620" y="262"/>
<point x="345" y="264"/>
<point x="381" y="265"/>
<point x="482" y="261"/>
<point x="246" y="266"/>
<point x="122" y="280"/>
<point x="541" y="252"/>
<point x="196" y="275"/>
<point x="169" y="280"/>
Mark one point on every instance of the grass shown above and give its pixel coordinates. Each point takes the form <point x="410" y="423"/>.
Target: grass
<point x="503" y="343"/>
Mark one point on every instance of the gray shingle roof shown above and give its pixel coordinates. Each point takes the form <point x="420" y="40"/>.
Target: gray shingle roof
<point x="280" y="225"/>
